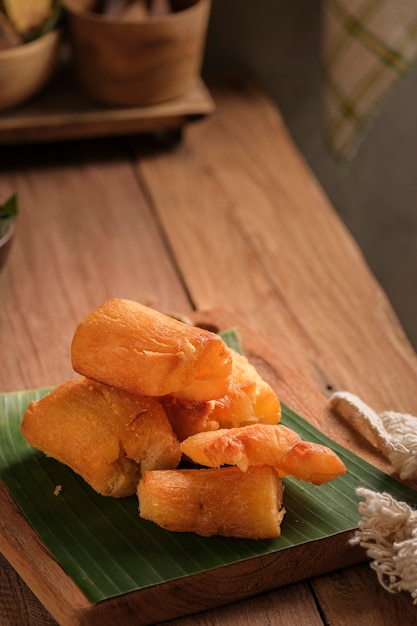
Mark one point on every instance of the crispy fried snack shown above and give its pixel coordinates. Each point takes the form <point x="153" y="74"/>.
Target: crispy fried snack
<point x="128" y="345"/>
<point x="248" y="400"/>
<point x="188" y="417"/>
<point x="104" y="434"/>
<point x="311" y="462"/>
<point x="150" y="382"/>
<point x="258" y="444"/>
<point x="210" y="502"/>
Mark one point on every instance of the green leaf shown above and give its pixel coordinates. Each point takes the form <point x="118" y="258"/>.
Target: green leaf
<point x="231" y="337"/>
<point x="108" y="550"/>
<point x="8" y="210"/>
<point x="8" y="213"/>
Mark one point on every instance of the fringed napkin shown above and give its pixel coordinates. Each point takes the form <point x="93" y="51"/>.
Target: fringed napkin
<point x="388" y="528"/>
<point x="368" y="47"/>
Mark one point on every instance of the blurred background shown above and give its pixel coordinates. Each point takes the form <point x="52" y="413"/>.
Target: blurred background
<point x="376" y="196"/>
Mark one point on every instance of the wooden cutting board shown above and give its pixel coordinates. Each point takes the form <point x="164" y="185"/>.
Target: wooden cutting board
<point x="63" y="599"/>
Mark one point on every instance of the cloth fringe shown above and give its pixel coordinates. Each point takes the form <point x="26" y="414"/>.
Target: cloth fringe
<point x="388" y="533"/>
<point x="387" y="529"/>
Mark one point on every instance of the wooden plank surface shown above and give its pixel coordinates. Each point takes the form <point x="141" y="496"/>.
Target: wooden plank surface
<point x="252" y="231"/>
<point x="85" y="233"/>
<point x="230" y="218"/>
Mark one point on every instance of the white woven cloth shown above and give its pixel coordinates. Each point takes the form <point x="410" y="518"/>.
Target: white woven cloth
<point x="388" y="532"/>
<point x="387" y="529"/>
<point x="395" y="434"/>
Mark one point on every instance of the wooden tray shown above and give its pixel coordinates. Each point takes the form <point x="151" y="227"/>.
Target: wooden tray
<point x="62" y="112"/>
<point x="55" y="589"/>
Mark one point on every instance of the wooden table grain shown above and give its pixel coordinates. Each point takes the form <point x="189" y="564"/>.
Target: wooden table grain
<point x="230" y="218"/>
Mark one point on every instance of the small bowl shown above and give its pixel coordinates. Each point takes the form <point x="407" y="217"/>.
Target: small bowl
<point x="6" y="242"/>
<point x="130" y="63"/>
<point x="25" y="69"/>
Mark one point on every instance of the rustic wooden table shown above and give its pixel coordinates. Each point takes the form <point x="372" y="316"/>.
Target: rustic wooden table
<point x="229" y="222"/>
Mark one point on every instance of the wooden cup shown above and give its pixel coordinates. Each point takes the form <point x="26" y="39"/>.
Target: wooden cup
<point x="137" y="62"/>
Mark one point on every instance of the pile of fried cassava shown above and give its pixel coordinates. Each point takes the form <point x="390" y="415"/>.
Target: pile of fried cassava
<point x="166" y="410"/>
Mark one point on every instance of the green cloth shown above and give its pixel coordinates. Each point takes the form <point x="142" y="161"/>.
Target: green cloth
<point x="368" y="46"/>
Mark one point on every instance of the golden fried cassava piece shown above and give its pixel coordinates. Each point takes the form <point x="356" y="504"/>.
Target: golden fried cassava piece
<point x="258" y="444"/>
<point x="104" y="434"/>
<point x="210" y="502"/>
<point x="188" y="417"/>
<point x="128" y="345"/>
<point x="248" y="400"/>
<point x="311" y="462"/>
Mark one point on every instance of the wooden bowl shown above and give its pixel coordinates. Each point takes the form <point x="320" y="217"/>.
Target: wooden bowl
<point x="6" y="242"/>
<point x="25" y="69"/>
<point x="143" y="62"/>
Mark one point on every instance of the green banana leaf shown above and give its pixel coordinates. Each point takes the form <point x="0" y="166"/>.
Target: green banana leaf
<point x="108" y="550"/>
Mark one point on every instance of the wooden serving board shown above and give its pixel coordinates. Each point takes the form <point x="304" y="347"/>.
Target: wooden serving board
<point x="69" y="606"/>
